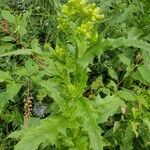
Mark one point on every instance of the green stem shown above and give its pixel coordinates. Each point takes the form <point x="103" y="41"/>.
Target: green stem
<point x="76" y="62"/>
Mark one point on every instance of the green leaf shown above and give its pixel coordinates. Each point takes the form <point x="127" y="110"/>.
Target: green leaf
<point x="46" y="133"/>
<point x="8" y="16"/>
<point x="5" y="47"/>
<point x="22" y="23"/>
<point x="137" y="76"/>
<point x="96" y="49"/>
<point x="127" y="139"/>
<point x="4" y="76"/>
<point x="82" y="79"/>
<point x="52" y="88"/>
<point x="21" y="71"/>
<point x="31" y="66"/>
<point x="11" y="91"/>
<point x="147" y="122"/>
<point x="126" y="94"/>
<point x="126" y="14"/>
<point x="35" y="46"/>
<point x="89" y="117"/>
<point x="17" y="52"/>
<point x="134" y="33"/>
<point x="3" y="101"/>
<point x="116" y="126"/>
<point x="135" y="127"/>
<point x="7" y="38"/>
<point x="106" y="107"/>
<point x="82" y="46"/>
<point x="112" y="73"/>
<point x="125" y="60"/>
<point x="144" y="71"/>
<point x="97" y="83"/>
<point x="81" y="143"/>
<point x="21" y="30"/>
<point x="144" y="46"/>
<point x="129" y="70"/>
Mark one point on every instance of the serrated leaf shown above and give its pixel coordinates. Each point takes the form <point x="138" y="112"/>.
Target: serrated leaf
<point x="125" y="94"/>
<point x="8" y="16"/>
<point x="137" y="76"/>
<point x="4" y="76"/>
<point x="142" y="100"/>
<point x="97" y="83"/>
<point x="3" y="101"/>
<point x="129" y="69"/>
<point x="82" y="46"/>
<point x="112" y="73"/>
<point x="17" y="52"/>
<point x="22" y="31"/>
<point x="127" y="139"/>
<point x="125" y="60"/>
<point x="145" y="72"/>
<point x="126" y="14"/>
<point x="81" y="80"/>
<point x="21" y="71"/>
<point x="107" y="107"/>
<point x="147" y="122"/>
<point x="144" y="46"/>
<point x="135" y="127"/>
<point x="116" y="126"/>
<point x="86" y="112"/>
<point x="7" y="38"/>
<point x="45" y="133"/>
<point x="96" y="49"/>
<point x="22" y="23"/>
<point x="5" y="47"/>
<point x="134" y="33"/>
<point x="52" y="88"/>
<point x="35" y="46"/>
<point x="81" y="143"/>
<point x="11" y="91"/>
<point x="31" y="66"/>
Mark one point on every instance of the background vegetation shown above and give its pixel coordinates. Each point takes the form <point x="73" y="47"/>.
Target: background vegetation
<point x="73" y="76"/>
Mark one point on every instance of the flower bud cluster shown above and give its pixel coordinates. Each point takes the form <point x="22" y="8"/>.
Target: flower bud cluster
<point x="93" y="12"/>
<point x="59" y="51"/>
<point x="85" y="29"/>
<point x="84" y="15"/>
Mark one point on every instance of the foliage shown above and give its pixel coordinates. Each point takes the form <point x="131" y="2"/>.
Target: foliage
<point x="81" y="68"/>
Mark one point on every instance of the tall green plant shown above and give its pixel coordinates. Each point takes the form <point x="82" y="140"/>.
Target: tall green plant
<point x="73" y="122"/>
<point x="81" y="113"/>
